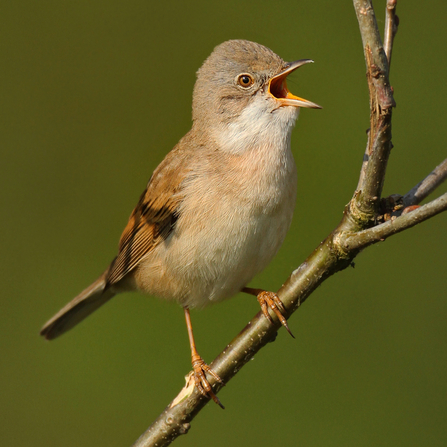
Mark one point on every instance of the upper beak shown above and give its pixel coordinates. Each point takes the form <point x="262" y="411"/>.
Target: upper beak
<point x="278" y="87"/>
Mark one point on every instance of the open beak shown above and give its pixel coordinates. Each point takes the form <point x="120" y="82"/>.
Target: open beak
<point x="278" y="88"/>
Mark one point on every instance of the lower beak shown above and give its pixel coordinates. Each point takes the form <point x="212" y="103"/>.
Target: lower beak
<point x="278" y="88"/>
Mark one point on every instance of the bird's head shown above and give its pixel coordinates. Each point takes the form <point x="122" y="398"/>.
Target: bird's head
<point x="244" y="82"/>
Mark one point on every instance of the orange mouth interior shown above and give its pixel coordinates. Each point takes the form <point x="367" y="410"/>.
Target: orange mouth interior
<point x="278" y="88"/>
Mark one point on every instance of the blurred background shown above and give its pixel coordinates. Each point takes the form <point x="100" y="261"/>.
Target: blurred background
<point x="94" y="94"/>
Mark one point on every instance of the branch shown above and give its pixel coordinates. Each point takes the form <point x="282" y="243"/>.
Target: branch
<point x="391" y="24"/>
<point x="427" y="186"/>
<point x="357" y="230"/>
<point x="369" y="189"/>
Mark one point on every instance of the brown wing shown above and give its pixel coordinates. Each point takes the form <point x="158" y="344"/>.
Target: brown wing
<point x="153" y="218"/>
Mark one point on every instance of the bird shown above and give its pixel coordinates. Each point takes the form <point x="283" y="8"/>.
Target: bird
<point x="218" y="207"/>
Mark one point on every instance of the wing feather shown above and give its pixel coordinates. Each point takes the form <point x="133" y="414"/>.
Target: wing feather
<point x="153" y="219"/>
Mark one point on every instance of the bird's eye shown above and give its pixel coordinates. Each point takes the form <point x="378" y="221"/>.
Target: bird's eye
<point x="245" y="80"/>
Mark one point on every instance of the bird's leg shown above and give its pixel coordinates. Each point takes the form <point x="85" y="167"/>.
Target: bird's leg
<point x="269" y="299"/>
<point x="199" y="366"/>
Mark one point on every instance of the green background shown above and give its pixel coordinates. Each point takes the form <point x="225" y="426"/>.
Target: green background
<point x="93" y="95"/>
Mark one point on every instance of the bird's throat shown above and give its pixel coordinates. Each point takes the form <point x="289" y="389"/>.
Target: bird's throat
<point x="256" y="126"/>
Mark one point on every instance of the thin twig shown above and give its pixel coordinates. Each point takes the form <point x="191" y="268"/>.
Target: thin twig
<point x="391" y="24"/>
<point x="427" y="186"/>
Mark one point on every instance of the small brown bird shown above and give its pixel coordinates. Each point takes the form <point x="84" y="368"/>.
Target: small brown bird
<point x="217" y="208"/>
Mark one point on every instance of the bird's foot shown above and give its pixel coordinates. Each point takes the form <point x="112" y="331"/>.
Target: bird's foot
<point x="200" y="369"/>
<point x="271" y="299"/>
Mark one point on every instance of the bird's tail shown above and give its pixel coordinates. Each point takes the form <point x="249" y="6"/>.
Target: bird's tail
<point x="79" y="308"/>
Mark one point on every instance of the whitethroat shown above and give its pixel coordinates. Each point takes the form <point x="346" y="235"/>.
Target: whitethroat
<point x="217" y="208"/>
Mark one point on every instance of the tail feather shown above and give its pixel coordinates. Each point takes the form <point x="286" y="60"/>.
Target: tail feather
<point x="79" y="308"/>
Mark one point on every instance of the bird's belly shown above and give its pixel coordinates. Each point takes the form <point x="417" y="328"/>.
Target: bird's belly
<point x="221" y="241"/>
<point x="225" y="259"/>
<point x="237" y="259"/>
<point x="218" y="251"/>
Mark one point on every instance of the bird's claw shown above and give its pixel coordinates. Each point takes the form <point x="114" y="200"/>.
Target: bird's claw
<point x="200" y="369"/>
<point x="271" y="299"/>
